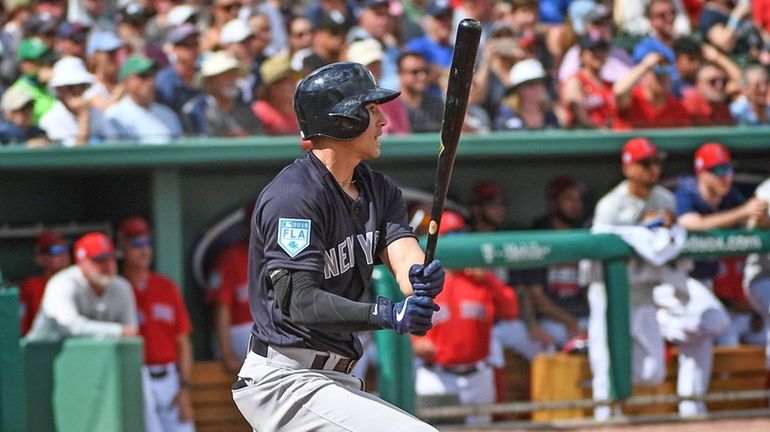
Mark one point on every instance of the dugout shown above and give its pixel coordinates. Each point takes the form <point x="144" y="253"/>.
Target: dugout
<point x="186" y="186"/>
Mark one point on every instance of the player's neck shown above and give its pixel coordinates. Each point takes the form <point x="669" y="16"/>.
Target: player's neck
<point x="340" y="167"/>
<point x="136" y="275"/>
<point x="639" y="189"/>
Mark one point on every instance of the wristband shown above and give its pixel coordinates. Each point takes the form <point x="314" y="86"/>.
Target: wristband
<point x="733" y="22"/>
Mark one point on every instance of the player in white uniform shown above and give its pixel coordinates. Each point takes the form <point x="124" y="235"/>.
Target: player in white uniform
<point x="684" y="312"/>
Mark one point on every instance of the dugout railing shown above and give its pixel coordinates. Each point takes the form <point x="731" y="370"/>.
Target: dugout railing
<point x="533" y="249"/>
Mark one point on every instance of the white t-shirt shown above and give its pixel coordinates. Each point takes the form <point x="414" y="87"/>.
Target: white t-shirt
<point x="61" y="125"/>
<point x="70" y="307"/>
<point x="154" y="125"/>
<point x="758" y="265"/>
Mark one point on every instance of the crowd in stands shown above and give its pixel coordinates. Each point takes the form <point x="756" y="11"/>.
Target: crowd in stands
<point x="90" y="71"/>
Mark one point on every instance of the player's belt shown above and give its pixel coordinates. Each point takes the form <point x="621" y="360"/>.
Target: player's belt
<point x="460" y="370"/>
<point x="305" y="358"/>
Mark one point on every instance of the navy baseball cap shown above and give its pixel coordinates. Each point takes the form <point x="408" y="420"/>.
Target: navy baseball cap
<point x="593" y="42"/>
<point x="439" y="9"/>
<point x="73" y="31"/>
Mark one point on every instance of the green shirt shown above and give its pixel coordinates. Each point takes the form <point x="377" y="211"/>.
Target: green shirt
<point x="43" y="100"/>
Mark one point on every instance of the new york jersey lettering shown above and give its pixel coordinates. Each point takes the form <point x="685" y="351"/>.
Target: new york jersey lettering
<point x="339" y="259"/>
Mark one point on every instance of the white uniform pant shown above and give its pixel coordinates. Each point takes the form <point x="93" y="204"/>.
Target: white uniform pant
<point x="759" y="295"/>
<point x="692" y="319"/>
<point x="513" y="335"/>
<point x="160" y="412"/>
<point x="280" y="396"/>
<point x="477" y="388"/>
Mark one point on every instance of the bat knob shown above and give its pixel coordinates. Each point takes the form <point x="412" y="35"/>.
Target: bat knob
<point x="433" y="227"/>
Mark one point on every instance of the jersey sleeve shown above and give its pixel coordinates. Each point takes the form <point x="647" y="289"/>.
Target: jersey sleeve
<point x="504" y="298"/>
<point x="223" y="271"/>
<point x="292" y="227"/>
<point x="395" y="216"/>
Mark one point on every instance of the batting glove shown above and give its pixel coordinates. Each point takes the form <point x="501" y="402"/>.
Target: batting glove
<point x="427" y="280"/>
<point x="412" y="314"/>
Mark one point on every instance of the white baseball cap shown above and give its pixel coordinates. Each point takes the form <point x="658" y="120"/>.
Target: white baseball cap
<point x="526" y="70"/>
<point x="70" y="71"/>
<point x="179" y="14"/>
<point x="218" y="62"/>
<point x="365" y="51"/>
<point x="235" y="31"/>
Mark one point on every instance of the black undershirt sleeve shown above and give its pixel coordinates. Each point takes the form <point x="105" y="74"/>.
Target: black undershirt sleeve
<point x="301" y="298"/>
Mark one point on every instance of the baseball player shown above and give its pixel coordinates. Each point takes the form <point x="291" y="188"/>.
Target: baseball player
<point x="51" y="255"/>
<point x="455" y="350"/>
<point x="165" y="327"/>
<point x="664" y="302"/>
<point x="229" y="290"/>
<point x="318" y="230"/>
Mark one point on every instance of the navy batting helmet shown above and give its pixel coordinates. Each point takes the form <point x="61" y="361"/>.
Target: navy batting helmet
<point x="331" y="101"/>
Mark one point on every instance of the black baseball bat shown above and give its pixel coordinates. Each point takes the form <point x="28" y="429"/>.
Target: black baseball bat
<point x="456" y="103"/>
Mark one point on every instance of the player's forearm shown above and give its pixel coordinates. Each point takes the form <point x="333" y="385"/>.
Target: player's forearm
<point x="698" y="222"/>
<point x="223" y="328"/>
<point x="185" y="361"/>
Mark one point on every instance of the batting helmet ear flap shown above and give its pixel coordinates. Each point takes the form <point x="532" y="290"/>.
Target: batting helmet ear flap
<point x="350" y="126"/>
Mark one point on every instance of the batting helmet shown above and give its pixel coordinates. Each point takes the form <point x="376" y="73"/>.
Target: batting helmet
<point x="330" y="101"/>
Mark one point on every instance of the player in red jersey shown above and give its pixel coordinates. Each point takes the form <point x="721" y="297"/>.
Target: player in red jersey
<point x="455" y="350"/>
<point x="51" y="255"/>
<point x="165" y="327"/>
<point x="229" y="290"/>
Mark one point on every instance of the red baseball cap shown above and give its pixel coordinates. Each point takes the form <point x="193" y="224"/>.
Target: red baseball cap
<point x="559" y="185"/>
<point x="51" y="243"/>
<point x="135" y="226"/>
<point x="451" y="222"/>
<point x="95" y="246"/>
<point x="710" y="155"/>
<point x="486" y="191"/>
<point x="637" y="149"/>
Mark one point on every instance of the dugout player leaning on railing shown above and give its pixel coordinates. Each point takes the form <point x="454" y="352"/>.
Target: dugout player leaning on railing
<point x="318" y="229"/>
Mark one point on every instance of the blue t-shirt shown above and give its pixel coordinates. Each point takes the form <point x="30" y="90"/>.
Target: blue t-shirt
<point x="303" y="220"/>
<point x="688" y="200"/>
<point x="172" y="91"/>
<point x="434" y="53"/>
<point x="10" y="133"/>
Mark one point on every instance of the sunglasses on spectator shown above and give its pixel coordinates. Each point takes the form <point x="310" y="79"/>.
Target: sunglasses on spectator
<point x="663" y="15"/>
<point x="718" y="82"/>
<point x="416" y="71"/>
<point x="140" y="242"/>
<point x="56" y="249"/>
<point x="649" y="162"/>
<point x="722" y="170"/>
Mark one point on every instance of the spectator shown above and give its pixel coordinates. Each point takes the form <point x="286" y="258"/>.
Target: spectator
<point x="165" y="326"/>
<point x="260" y="45"/>
<point x="598" y="21"/>
<point x="219" y="112"/>
<point x="175" y="84"/>
<point x="541" y="40"/>
<point x="500" y="52"/>
<point x="102" y="53"/>
<point x="436" y="46"/>
<point x="527" y="106"/>
<point x="17" y="127"/>
<point x="51" y="255"/>
<point x="72" y="40"/>
<point x="275" y="105"/>
<point x="661" y="15"/>
<point x="727" y="24"/>
<point x="751" y="108"/>
<point x="343" y="12"/>
<point x="224" y="11"/>
<point x="425" y="111"/>
<point x="709" y="201"/>
<point x="277" y="24"/>
<point x="690" y="56"/>
<point x="53" y="8"/>
<point x="644" y="97"/>
<point x="132" y="30"/>
<point x="35" y="59"/>
<point x="559" y="292"/>
<point x="707" y="102"/>
<point x="88" y="298"/>
<point x="369" y="53"/>
<point x="587" y="99"/>
<point x="328" y="42"/>
<point x="137" y="117"/>
<point x="637" y="19"/>
<point x="664" y="302"/>
<point x="72" y="121"/>
<point x="93" y="14"/>
<point x="43" y="27"/>
<point x="375" y="21"/>
<point x="228" y="290"/>
<point x="412" y="18"/>
<point x="453" y="353"/>
<point x="300" y="39"/>
<point x="238" y="39"/>
<point x="487" y="207"/>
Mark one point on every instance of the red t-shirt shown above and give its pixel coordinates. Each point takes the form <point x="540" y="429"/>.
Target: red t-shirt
<point x="599" y="101"/>
<point x="640" y="114"/>
<point x="30" y="296"/>
<point x="702" y="113"/>
<point x="728" y="283"/>
<point x="229" y="282"/>
<point x="463" y="327"/>
<point x="162" y="317"/>
<point x="273" y="121"/>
